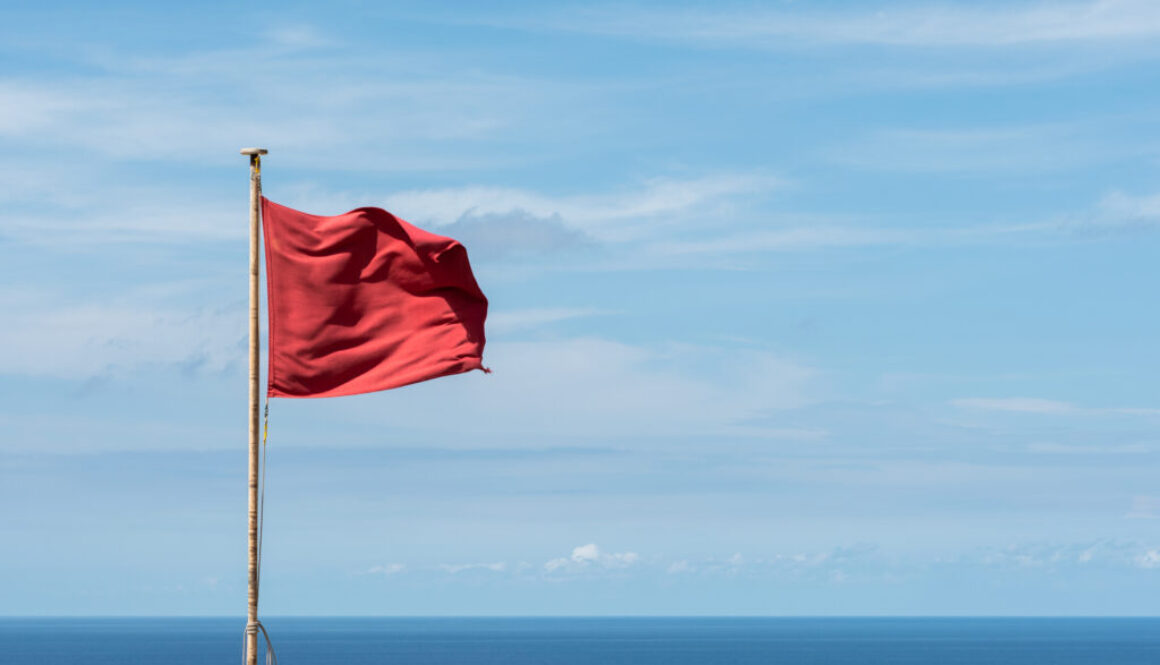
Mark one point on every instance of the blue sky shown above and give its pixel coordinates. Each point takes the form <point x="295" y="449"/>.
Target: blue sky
<point x="797" y="308"/>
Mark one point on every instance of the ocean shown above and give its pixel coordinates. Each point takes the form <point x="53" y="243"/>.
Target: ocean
<point x="588" y="641"/>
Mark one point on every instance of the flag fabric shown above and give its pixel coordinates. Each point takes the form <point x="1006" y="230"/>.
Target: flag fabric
<point x="364" y="301"/>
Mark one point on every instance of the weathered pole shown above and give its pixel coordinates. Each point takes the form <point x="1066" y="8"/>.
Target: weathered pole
<point x="252" y="596"/>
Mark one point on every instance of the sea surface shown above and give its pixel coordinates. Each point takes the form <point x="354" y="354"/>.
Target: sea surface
<point x="594" y="641"/>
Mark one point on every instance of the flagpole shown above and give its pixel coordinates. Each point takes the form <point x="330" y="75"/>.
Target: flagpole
<point x="255" y="155"/>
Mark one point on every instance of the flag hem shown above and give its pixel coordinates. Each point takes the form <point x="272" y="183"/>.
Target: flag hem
<point x="271" y="326"/>
<point x="452" y="368"/>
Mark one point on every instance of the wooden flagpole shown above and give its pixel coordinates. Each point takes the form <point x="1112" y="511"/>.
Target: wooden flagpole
<point x="255" y="155"/>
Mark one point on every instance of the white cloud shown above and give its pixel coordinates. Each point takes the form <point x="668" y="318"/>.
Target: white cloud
<point x="585" y="553"/>
<point x="1149" y="559"/>
<point x="587" y="557"/>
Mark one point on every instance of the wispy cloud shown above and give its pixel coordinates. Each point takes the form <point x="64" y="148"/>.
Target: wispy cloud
<point x="579" y="385"/>
<point x="310" y="100"/>
<point x="712" y="216"/>
<point x="1144" y="507"/>
<point x="986" y="150"/>
<point x="661" y="220"/>
<point x="1117" y="211"/>
<point x="456" y="568"/>
<point x="586" y="386"/>
<point x="515" y="233"/>
<point x="386" y="569"/>
<point x="1015" y="404"/>
<point x="504" y="322"/>
<point x="1051" y="448"/>
<point x="835" y="565"/>
<point x="821" y="237"/>
<point x="941" y="26"/>
<point x="298" y="36"/>
<point x="1064" y="558"/>
<point x="81" y="340"/>
<point x="610" y="217"/>
<point x="493" y="222"/>
<point x="1035" y="405"/>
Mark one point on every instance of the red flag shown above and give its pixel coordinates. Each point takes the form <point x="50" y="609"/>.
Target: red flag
<point x="364" y="301"/>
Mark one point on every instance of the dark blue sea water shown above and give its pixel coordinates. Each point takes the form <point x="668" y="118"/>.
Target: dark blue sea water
<point x="639" y="641"/>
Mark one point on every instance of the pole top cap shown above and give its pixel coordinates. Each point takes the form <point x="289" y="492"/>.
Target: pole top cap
<point x="254" y="151"/>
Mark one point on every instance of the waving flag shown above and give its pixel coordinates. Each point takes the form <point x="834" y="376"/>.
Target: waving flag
<point x="364" y="301"/>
